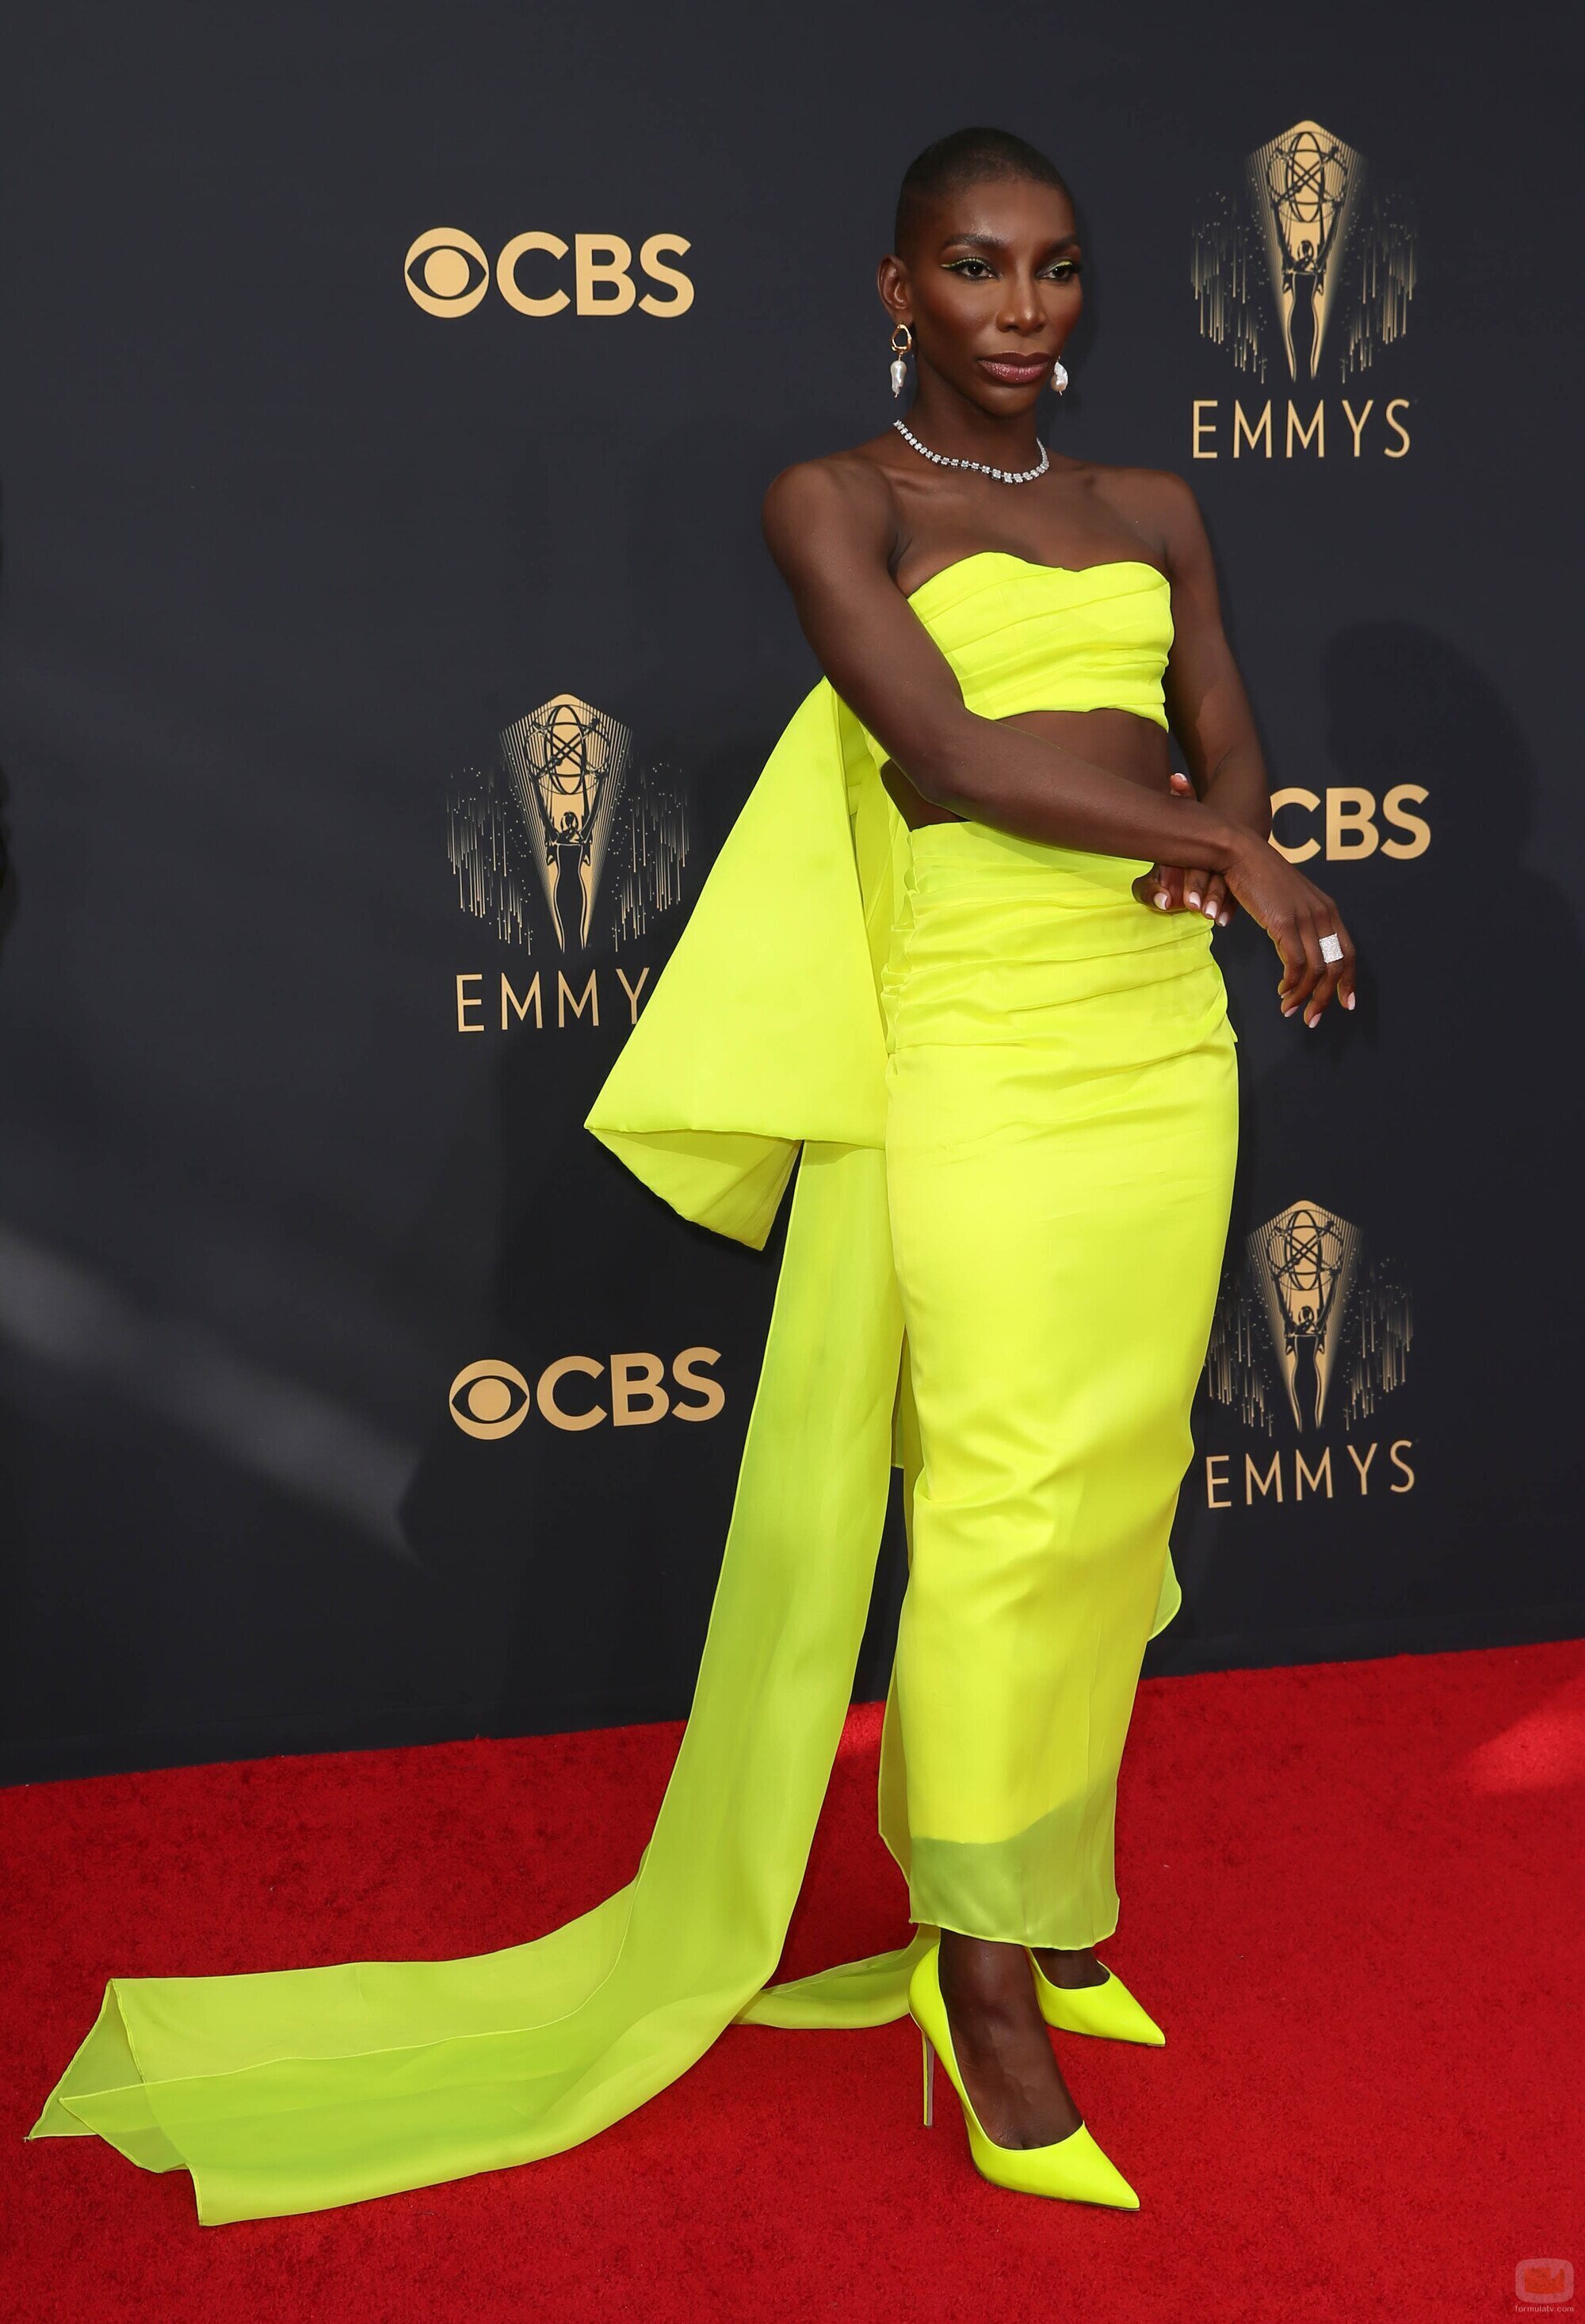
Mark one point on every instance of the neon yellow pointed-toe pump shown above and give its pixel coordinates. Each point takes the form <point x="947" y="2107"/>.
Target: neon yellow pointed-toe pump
<point x="1107" y="2009"/>
<point x="1073" y="2168"/>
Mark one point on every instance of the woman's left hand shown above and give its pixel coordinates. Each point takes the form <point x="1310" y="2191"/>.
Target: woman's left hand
<point x="1173" y="887"/>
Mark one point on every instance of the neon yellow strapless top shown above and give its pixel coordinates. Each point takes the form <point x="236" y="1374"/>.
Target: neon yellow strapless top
<point x="1023" y="636"/>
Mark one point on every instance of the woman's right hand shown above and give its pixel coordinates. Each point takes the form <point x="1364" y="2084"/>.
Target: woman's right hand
<point x="1295" y="914"/>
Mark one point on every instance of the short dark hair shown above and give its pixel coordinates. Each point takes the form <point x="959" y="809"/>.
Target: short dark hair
<point x="966" y="158"/>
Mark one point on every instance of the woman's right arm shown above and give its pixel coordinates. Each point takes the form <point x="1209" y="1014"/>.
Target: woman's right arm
<point x="831" y="528"/>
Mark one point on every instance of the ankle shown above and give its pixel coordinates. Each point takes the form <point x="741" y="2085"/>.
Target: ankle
<point x="978" y="1973"/>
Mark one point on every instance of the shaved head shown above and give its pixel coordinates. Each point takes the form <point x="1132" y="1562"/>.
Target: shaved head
<point x="967" y="157"/>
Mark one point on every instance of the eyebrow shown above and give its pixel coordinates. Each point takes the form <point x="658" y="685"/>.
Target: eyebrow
<point x="995" y="242"/>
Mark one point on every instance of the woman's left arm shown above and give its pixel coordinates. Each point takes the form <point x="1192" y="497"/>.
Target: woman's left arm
<point x="1206" y="704"/>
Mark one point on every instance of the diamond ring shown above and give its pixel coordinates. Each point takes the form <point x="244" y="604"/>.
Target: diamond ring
<point x="1331" y="949"/>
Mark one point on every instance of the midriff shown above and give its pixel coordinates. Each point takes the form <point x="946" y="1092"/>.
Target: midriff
<point x="1124" y="743"/>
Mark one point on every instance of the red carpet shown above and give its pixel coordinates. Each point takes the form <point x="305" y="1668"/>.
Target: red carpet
<point x="1350" y="1893"/>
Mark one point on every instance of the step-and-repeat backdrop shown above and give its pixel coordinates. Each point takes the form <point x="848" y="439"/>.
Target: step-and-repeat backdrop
<point x="388" y="645"/>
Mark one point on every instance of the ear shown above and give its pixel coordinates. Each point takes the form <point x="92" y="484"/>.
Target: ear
<point x="891" y="279"/>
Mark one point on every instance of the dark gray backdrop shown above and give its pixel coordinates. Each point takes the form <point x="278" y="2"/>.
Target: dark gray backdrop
<point x="283" y="552"/>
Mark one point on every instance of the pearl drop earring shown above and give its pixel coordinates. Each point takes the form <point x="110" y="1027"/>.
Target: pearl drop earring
<point x="900" y="348"/>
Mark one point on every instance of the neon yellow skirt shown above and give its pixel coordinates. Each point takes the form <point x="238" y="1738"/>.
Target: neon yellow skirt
<point x="1061" y="1134"/>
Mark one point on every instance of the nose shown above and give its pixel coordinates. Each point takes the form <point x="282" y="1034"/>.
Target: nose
<point x="1022" y="311"/>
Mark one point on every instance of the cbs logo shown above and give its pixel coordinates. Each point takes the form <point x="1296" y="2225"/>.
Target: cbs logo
<point x="491" y="1398"/>
<point x="447" y="272"/>
<point x="1350" y="825"/>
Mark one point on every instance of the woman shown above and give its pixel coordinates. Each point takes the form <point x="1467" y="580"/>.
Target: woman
<point x="953" y="967"/>
<point x="917" y="575"/>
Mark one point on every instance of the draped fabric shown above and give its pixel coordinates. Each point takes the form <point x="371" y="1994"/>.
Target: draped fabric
<point x="761" y="1051"/>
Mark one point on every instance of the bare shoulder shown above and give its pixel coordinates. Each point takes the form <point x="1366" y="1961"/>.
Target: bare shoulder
<point x="1156" y="503"/>
<point x="843" y="499"/>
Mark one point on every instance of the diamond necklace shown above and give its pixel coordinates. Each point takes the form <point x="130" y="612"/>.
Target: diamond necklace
<point x="997" y="476"/>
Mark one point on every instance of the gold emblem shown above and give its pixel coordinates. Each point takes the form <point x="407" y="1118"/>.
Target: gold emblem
<point x="446" y="272"/>
<point x="1309" y="1322"/>
<point x="1311" y="257"/>
<point x="1303" y="1261"/>
<point x="567" y="762"/>
<point x="570" y="809"/>
<point x="488" y="1398"/>
<point x="1304" y="185"/>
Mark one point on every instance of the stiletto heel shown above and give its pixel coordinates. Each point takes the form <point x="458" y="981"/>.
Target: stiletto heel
<point x="1107" y="2009"/>
<point x="930" y="2080"/>
<point x="1073" y="2168"/>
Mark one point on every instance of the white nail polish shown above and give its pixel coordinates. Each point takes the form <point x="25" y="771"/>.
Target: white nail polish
<point x="1210" y="911"/>
<point x="1161" y="903"/>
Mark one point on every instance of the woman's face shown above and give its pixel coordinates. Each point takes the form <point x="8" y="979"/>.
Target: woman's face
<point x="990" y="285"/>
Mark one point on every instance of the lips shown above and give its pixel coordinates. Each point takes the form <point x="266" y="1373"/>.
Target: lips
<point x="1015" y="371"/>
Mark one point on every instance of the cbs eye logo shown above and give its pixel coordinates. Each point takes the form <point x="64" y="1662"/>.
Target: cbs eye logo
<point x="493" y="1398"/>
<point x="448" y="273"/>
